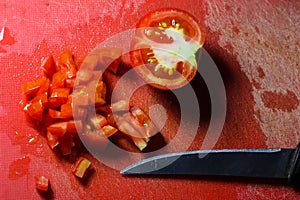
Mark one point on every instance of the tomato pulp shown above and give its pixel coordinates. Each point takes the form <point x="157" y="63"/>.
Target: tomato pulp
<point x="165" y="47"/>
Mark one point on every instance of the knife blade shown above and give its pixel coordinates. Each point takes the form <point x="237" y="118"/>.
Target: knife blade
<point x="277" y="163"/>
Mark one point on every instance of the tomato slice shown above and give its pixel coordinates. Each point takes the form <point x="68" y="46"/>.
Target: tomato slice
<point x="165" y="47"/>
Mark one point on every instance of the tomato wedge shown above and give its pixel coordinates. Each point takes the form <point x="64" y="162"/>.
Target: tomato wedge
<point x="165" y="47"/>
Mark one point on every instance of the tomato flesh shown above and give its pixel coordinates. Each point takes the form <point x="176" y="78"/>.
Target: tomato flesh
<point x="41" y="183"/>
<point x="49" y="66"/>
<point x="165" y="47"/>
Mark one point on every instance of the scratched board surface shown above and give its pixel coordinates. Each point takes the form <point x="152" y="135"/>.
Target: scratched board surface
<point x="255" y="45"/>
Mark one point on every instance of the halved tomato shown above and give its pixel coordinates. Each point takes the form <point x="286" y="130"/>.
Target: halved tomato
<point x="164" y="48"/>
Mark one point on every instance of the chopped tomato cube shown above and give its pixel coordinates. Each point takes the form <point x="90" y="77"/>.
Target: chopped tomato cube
<point x="80" y="97"/>
<point x="109" y="130"/>
<point x="35" y="108"/>
<point x="140" y="116"/>
<point x="31" y="88"/>
<point x="70" y="82"/>
<point x="58" y="97"/>
<point x="81" y="167"/>
<point x="52" y="140"/>
<point x="59" y="79"/>
<point x="66" y="143"/>
<point x="55" y="114"/>
<point x="80" y="113"/>
<point x="49" y="66"/>
<point x="84" y="75"/>
<point x="74" y="126"/>
<point x="98" y="121"/>
<point x="58" y="129"/>
<point x="66" y="110"/>
<point x="96" y="90"/>
<point x="134" y="134"/>
<point x="66" y="64"/>
<point x="139" y="142"/>
<point x="41" y="183"/>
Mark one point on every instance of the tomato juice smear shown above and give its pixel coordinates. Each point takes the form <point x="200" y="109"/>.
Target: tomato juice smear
<point x="19" y="168"/>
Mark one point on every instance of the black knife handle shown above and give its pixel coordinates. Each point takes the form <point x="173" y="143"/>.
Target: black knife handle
<point x="294" y="169"/>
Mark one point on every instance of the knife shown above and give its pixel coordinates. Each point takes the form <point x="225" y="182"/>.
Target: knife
<point x="276" y="163"/>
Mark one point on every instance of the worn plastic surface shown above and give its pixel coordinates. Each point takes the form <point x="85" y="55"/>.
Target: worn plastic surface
<point x="255" y="45"/>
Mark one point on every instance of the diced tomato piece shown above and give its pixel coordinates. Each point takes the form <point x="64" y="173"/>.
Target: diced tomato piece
<point x="129" y="130"/>
<point x="66" y="110"/>
<point x="59" y="79"/>
<point x="139" y="142"/>
<point x="80" y="97"/>
<point x="31" y="88"/>
<point x="110" y="119"/>
<point x="114" y="66"/>
<point x="70" y="82"/>
<point x="58" y="97"/>
<point x="66" y="143"/>
<point x="55" y="114"/>
<point x="84" y="75"/>
<point x="44" y="86"/>
<point x="66" y="64"/>
<point x="35" y="108"/>
<point x="144" y="131"/>
<point x="52" y="140"/>
<point x="41" y="183"/>
<point x="81" y="166"/>
<point x="109" y="130"/>
<point x="74" y="126"/>
<point x="49" y="66"/>
<point x="98" y="121"/>
<point x="58" y="129"/>
<point x="95" y="139"/>
<point x="122" y="105"/>
<point x="100" y="94"/>
<point x="140" y="116"/>
<point x="96" y="90"/>
<point x="80" y="113"/>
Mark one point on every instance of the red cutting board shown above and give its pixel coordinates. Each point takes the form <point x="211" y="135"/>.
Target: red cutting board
<point x="254" y="44"/>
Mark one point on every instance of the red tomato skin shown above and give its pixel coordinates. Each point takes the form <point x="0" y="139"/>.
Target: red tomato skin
<point x="58" y="97"/>
<point x="58" y="80"/>
<point x="66" y="64"/>
<point x="66" y="110"/>
<point x="35" y="108"/>
<point x="66" y="143"/>
<point x="32" y="88"/>
<point x="58" y="129"/>
<point x="195" y="32"/>
<point x="41" y="183"/>
<point x="49" y="66"/>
